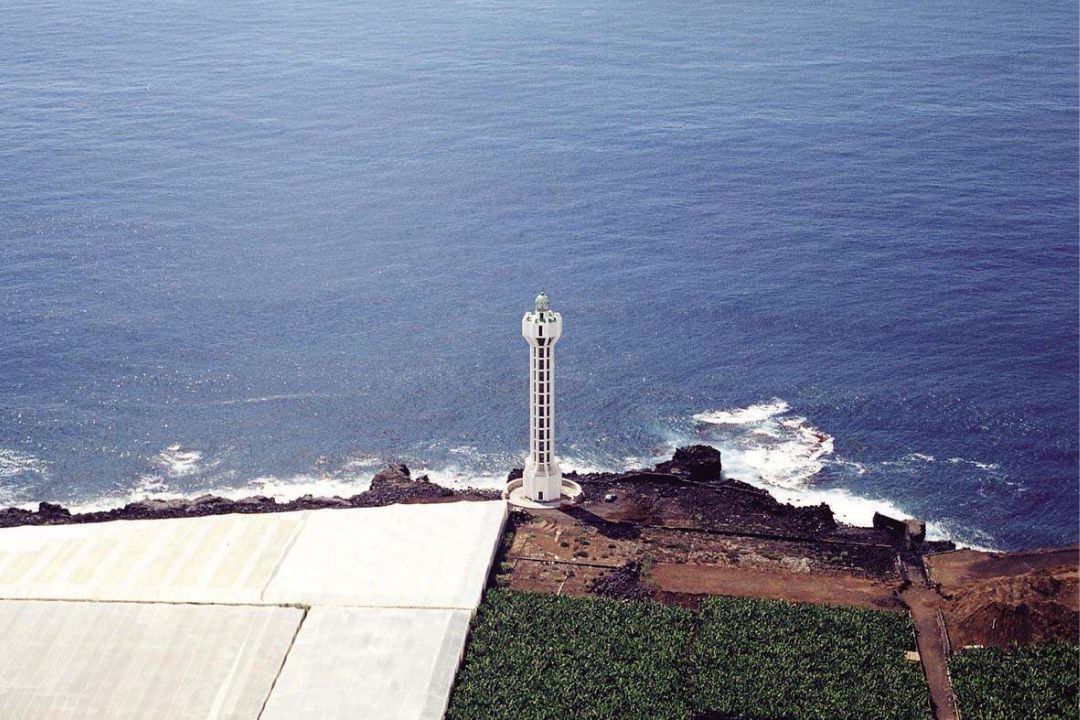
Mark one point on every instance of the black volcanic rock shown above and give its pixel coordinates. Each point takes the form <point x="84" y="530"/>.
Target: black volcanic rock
<point x="391" y="475"/>
<point x="697" y="462"/>
<point x="155" y="508"/>
<point x="395" y="483"/>
<point x="255" y="504"/>
<point x="622" y="583"/>
<point x="53" y="511"/>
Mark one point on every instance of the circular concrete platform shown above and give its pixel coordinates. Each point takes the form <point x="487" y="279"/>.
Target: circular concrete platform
<point x="515" y="495"/>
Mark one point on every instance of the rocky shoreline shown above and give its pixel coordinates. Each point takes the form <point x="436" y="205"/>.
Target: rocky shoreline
<point x="391" y="485"/>
<point x="689" y="489"/>
<point x="703" y="528"/>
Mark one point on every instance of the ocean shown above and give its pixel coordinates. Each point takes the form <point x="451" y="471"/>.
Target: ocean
<point x="264" y="247"/>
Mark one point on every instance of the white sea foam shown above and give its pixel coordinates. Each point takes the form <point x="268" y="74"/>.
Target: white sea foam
<point x="282" y="489"/>
<point x="846" y="506"/>
<point x="765" y="443"/>
<point x="960" y="534"/>
<point x="974" y="463"/>
<point x="14" y="463"/>
<point x="746" y="415"/>
<point x="586" y="466"/>
<point x="178" y="461"/>
<point x="269" y="398"/>
<point x="768" y="446"/>
<point x="460" y="477"/>
<point x="858" y="467"/>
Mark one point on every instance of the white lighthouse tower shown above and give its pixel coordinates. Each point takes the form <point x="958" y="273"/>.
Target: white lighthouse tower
<point x="542" y="482"/>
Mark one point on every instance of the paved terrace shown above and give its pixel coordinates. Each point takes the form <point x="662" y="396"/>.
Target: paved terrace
<point x="358" y="613"/>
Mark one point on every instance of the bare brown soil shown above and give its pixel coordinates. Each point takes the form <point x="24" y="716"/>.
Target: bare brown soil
<point x="568" y="551"/>
<point x="654" y="540"/>
<point x="737" y="582"/>
<point x="1006" y="599"/>
<point x="954" y="571"/>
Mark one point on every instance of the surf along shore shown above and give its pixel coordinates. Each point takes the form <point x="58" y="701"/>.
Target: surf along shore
<point x="682" y="531"/>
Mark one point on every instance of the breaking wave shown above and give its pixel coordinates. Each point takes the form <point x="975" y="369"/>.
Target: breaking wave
<point x="14" y="464"/>
<point x="178" y="461"/>
<point x="351" y="477"/>
<point x="765" y="444"/>
<point x="745" y="416"/>
<point x="770" y="446"/>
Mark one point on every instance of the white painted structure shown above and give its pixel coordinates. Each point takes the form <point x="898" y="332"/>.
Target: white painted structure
<point x="542" y="484"/>
<point x="370" y="663"/>
<point x="309" y="615"/>
<point x="435" y="555"/>
<point x="542" y="329"/>
<point x="65" y="660"/>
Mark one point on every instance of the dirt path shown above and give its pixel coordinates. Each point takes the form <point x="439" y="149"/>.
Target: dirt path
<point x="739" y="582"/>
<point x="924" y="604"/>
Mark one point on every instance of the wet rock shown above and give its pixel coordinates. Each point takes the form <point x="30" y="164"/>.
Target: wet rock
<point x="317" y="502"/>
<point x="391" y="475"/>
<point x="52" y="510"/>
<point x="701" y="463"/>
<point x="11" y="517"/>
<point x="395" y="483"/>
<point x="154" y="508"/>
<point x="256" y="503"/>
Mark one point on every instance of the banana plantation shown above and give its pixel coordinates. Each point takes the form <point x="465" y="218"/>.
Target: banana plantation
<point x="545" y="657"/>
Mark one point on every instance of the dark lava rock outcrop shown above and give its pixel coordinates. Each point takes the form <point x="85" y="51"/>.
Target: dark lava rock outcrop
<point x="622" y="583"/>
<point x="394" y="484"/>
<point x="696" y="462"/>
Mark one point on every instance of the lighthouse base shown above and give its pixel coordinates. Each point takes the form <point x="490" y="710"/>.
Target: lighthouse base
<point x="570" y="493"/>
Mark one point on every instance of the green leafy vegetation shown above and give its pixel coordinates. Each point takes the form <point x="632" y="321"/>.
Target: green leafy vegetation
<point x="547" y="657"/>
<point x="1034" y="682"/>
<point x="543" y="657"/>
<point x="770" y="659"/>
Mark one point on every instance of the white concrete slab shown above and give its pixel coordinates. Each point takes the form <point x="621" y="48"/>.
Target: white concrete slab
<point x="388" y="664"/>
<point x="78" y="660"/>
<point x="222" y="558"/>
<point x="90" y="625"/>
<point x="434" y="555"/>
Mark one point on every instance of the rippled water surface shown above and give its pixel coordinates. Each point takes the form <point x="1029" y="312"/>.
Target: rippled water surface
<point x="266" y="246"/>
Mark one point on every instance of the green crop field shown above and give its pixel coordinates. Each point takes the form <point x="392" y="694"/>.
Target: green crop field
<point x="1035" y="682"/>
<point x="546" y="657"/>
<point x="540" y="657"/>
<point x="770" y="659"/>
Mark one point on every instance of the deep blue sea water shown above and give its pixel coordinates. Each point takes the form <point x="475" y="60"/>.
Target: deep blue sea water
<point x="264" y="246"/>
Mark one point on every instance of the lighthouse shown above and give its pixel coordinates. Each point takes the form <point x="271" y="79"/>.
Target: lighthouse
<point x="542" y="482"/>
<point x="542" y="329"/>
